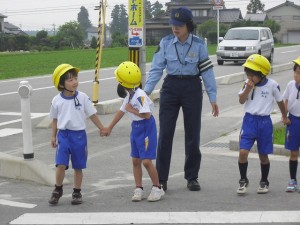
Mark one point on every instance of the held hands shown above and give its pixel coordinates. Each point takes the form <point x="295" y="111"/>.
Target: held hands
<point x="105" y="131"/>
<point x="285" y="120"/>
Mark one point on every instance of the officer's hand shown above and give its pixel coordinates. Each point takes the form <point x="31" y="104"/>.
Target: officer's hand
<point x="215" y="109"/>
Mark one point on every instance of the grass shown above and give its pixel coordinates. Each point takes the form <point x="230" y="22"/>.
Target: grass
<point x="25" y="64"/>
<point x="279" y="135"/>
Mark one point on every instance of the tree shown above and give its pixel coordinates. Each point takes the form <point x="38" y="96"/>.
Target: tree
<point x="255" y="6"/>
<point x="83" y="19"/>
<point x="119" y="21"/>
<point x="157" y="10"/>
<point x="71" y="34"/>
<point x="93" y="43"/>
<point x="148" y="10"/>
<point x="273" y="25"/>
<point x="208" y="30"/>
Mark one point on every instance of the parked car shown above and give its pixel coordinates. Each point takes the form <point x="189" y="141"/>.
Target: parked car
<point x="241" y="42"/>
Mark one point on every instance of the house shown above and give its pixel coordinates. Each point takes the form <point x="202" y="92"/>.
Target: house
<point x="288" y="16"/>
<point x="159" y="27"/>
<point x="202" y="11"/>
<point x="8" y="28"/>
<point x="256" y="17"/>
<point x="228" y="16"/>
<point x="92" y="32"/>
<point x="2" y="23"/>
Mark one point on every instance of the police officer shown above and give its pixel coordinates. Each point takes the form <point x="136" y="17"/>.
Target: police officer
<point x="185" y="58"/>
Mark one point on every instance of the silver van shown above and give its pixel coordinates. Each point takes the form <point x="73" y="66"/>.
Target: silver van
<point x="241" y="42"/>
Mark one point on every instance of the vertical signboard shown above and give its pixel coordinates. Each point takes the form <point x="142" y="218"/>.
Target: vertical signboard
<point x="135" y="23"/>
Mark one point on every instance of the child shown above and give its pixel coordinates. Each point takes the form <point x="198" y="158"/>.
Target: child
<point x="292" y="137"/>
<point x="69" y="110"/>
<point x="143" y="135"/>
<point x="258" y="94"/>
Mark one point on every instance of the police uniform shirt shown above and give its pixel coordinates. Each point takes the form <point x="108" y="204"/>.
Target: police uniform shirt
<point x="262" y="101"/>
<point x="139" y="101"/>
<point x="290" y="94"/>
<point x="69" y="115"/>
<point x="190" y="53"/>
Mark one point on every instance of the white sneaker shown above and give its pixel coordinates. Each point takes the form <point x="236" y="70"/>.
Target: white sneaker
<point x="137" y="195"/>
<point x="242" y="189"/>
<point x="156" y="194"/>
<point x="292" y="186"/>
<point x="263" y="187"/>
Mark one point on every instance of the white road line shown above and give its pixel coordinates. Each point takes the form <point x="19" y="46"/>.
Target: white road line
<point x="44" y="88"/>
<point x="9" y="131"/>
<point x="288" y="51"/>
<point x="16" y="204"/>
<point x="33" y="116"/>
<point x="161" y="217"/>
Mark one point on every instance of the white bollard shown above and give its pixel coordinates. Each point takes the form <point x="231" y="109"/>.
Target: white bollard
<point x="25" y="91"/>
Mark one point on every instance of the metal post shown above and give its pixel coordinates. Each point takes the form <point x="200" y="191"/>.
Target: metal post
<point x="218" y="19"/>
<point x="25" y="91"/>
<point x="143" y="48"/>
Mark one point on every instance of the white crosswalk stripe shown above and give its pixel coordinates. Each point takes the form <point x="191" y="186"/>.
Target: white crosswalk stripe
<point x="222" y="217"/>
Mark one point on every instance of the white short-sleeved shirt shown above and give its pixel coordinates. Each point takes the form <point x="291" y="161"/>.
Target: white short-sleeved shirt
<point x="68" y="115"/>
<point x="290" y="94"/>
<point x="139" y="101"/>
<point x="264" y="94"/>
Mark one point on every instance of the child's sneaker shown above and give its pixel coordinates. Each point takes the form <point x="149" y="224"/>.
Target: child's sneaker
<point x="76" y="198"/>
<point x="263" y="187"/>
<point x="137" y="195"/>
<point x="292" y="186"/>
<point x="156" y="194"/>
<point x="56" y="194"/>
<point x="242" y="189"/>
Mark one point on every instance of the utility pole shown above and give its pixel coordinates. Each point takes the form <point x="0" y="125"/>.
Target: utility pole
<point x="53" y="29"/>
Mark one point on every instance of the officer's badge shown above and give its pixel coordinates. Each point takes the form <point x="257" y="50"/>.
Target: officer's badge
<point x="177" y="15"/>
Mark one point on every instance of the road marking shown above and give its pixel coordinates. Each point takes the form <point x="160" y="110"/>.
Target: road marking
<point x="44" y="88"/>
<point x="16" y="204"/>
<point x="221" y="217"/>
<point x="33" y="116"/>
<point x="9" y="131"/>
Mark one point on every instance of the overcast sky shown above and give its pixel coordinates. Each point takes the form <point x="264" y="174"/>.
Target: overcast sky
<point x="47" y="14"/>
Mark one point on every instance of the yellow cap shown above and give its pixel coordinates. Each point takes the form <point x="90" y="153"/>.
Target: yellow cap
<point x="258" y="63"/>
<point x="128" y="74"/>
<point x="61" y="70"/>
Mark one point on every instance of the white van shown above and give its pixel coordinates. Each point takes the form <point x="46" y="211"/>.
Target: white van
<point x="241" y="42"/>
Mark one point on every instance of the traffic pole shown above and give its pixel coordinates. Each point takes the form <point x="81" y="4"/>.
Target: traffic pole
<point x="25" y="91"/>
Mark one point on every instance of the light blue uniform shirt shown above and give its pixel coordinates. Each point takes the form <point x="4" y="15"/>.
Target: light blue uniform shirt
<point x="194" y="57"/>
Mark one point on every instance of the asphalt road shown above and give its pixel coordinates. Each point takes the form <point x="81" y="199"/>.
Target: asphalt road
<point x="108" y="180"/>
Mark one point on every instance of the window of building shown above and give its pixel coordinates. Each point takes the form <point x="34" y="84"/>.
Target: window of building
<point x="296" y="17"/>
<point x="199" y="12"/>
<point x="278" y="18"/>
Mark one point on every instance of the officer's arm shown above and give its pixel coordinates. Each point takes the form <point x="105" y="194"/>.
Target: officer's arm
<point x="157" y="67"/>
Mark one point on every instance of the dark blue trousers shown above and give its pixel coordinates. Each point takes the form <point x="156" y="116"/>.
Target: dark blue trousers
<point x="187" y="94"/>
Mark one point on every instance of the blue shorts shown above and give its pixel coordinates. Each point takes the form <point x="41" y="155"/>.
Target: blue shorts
<point x="292" y="134"/>
<point x="71" y="144"/>
<point x="143" y="139"/>
<point x="259" y="129"/>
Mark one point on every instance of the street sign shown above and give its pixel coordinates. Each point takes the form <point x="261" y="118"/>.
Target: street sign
<point x="217" y="7"/>
<point x="135" y="23"/>
<point x="218" y="2"/>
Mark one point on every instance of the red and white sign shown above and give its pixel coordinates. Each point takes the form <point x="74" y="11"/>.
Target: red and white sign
<point x="218" y="2"/>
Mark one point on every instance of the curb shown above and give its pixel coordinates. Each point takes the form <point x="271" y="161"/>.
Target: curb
<point x="31" y="170"/>
<point x="238" y="77"/>
<point x="277" y="149"/>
